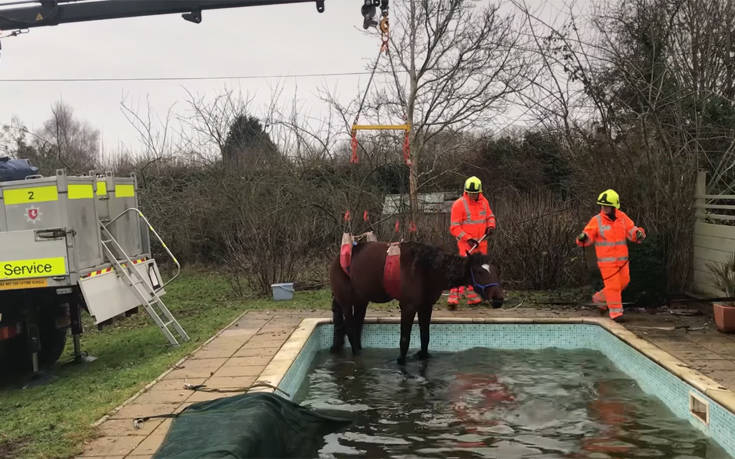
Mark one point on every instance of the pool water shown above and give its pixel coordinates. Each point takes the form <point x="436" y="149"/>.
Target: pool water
<point x="494" y="403"/>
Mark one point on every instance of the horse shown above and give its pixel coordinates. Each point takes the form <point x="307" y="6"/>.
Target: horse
<point x="425" y="271"/>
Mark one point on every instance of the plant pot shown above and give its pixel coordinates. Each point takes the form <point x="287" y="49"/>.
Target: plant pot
<point x="724" y="317"/>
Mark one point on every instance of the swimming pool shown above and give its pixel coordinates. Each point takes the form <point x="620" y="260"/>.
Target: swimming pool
<point x="686" y="393"/>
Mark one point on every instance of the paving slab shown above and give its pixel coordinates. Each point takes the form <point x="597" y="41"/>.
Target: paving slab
<point x="154" y="440"/>
<point x="239" y="366"/>
<point x="230" y="382"/>
<point x="124" y="427"/>
<point x="112" y="446"/>
<point x="207" y="396"/>
<point x="156" y="395"/>
<point x="176" y="384"/>
<point x="140" y="410"/>
<point x="196" y="368"/>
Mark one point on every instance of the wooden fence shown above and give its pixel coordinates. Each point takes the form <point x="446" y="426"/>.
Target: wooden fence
<point x="714" y="235"/>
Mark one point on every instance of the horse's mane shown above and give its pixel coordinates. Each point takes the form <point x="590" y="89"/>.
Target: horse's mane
<point x="426" y="256"/>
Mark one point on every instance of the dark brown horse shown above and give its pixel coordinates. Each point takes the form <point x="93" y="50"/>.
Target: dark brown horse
<point x="426" y="271"/>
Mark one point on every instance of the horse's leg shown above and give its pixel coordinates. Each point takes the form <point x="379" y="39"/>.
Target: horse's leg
<point x="338" y="340"/>
<point x="360" y="311"/>
<point x="424" y="324"/>
<point x="407" y="315"/>
<point x="351" y="329"/>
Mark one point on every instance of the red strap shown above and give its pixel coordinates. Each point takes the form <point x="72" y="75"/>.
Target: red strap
<point x="365" y="216"/>
<point x="412" y="227"/>
<point x="392" y="271"/>
<point x="407" y="149"/>
<point x="398" y="226"/>
<point x="354" y="159"/>
<point x="345" y="257"/>
<point x="347" y="215"/>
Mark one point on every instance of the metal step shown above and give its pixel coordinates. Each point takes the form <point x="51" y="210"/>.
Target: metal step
<point x="148" y="296"/>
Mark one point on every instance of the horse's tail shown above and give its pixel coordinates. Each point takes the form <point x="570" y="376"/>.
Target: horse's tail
<point x="339" y="281"/>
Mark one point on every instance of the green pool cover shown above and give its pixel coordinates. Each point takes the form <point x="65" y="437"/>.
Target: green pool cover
<point x="246" y="426"/>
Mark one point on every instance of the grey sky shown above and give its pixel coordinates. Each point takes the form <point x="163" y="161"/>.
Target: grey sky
<point x="281" y="39"/>
<point x="269" y="40"/>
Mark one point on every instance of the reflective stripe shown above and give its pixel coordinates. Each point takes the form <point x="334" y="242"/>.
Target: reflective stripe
<point x="461" y="235"/>
<point x="101" y="188"/>
<point x="602" y="228"/>
<point x="124" y="191"/>
<point x="472" y="222"/>
<point x="38" y="267"/>
<point x="611" y="259"/>
<point x="631" y="233"/>
<point x="30" y="195"/>
<point x="466" y="206"/>
<point x="482" y="212"/>
<point x="610" y="244"/>
<point x="456" y="224"/>
<point x="76" y="191"/>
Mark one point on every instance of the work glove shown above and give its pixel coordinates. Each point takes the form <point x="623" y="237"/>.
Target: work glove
<point x="640" y="234"/>
<point x="582" y="237"/>
<point x="489" y="231"/>
<point x="473" y="243"/>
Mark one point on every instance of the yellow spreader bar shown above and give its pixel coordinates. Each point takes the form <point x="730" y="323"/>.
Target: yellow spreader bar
<point x="381" y="127"/>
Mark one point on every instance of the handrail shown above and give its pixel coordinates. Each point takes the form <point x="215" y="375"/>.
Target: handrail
<point x="715" y="206"/>
<point x="715" y="196"/>
<point x="711" y="216"/>
<point x="155" y="233"/>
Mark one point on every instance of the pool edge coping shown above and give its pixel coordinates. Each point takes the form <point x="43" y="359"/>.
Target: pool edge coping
<point x="277" y="368"/>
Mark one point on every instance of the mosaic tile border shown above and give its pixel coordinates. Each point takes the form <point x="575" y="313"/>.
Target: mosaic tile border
<point x="656" y="371"/>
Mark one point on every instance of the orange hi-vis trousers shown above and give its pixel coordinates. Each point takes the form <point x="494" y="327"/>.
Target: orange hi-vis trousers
<point x="616" y="278"/>
<point x="456" y="293"/>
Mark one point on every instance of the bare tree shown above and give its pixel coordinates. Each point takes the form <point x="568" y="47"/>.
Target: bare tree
<point x="13" y="141"/>
<point x="644" y="92"/>
<point x="452" y="65"/>
<point x="66" y="142"/>
<point x="209" y="122"/>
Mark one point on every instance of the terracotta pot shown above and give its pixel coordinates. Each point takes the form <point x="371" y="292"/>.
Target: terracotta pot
<point x="724" y="317"/>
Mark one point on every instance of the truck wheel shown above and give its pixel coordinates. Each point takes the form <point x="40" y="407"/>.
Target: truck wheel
<point x="53" y="342"/>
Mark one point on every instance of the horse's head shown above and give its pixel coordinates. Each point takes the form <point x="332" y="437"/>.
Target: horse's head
<point x="485" y="278"/>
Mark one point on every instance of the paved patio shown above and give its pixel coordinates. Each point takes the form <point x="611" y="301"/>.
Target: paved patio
<point x="235" y="357"/>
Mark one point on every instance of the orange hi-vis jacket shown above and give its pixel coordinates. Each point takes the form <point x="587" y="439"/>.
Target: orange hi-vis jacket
<point x="610" y="238"/>
<point x="469" y="220"/>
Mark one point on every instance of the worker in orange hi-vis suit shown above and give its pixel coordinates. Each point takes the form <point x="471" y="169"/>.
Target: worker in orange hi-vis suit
<point x="610" y="231"/>
<point x="471" y="219"/>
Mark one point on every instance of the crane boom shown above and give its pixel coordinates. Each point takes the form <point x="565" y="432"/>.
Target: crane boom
<point x="50" y="13"/>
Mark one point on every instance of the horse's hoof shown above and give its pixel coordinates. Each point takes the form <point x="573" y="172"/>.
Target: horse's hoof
<point x="401" y="360"/>
<point x="497" y="304"/>
<point x="423" y="355"/>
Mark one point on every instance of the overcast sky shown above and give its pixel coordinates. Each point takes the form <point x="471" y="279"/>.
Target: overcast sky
<point x="266" y="40"/>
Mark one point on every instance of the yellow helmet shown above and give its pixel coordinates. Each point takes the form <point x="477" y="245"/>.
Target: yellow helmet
<point x="609" y="198"/>
<point x="473" y="185"/>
